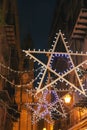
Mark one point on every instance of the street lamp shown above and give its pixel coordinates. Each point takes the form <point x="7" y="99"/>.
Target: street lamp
<point x="67" y="98"/>
<point x="44" y="128"/>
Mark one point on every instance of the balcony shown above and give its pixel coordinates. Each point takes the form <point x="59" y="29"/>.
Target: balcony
<point x="10" y="34"/>
<point x="80" y="28"/>
<point x="81" y="122"/>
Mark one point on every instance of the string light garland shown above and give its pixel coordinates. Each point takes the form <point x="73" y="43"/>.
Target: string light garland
<point x="17" y="71"/>
<point x="20" y="85"/>
<point x="6" y="106"/>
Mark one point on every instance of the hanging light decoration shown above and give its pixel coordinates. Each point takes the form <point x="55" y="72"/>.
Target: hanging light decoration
<point x="44" y="129"/>
<point x="67" y="98"/>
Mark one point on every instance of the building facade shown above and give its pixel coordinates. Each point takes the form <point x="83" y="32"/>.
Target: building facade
<point x="71" y="18"/>
<point x="9" y="61"/>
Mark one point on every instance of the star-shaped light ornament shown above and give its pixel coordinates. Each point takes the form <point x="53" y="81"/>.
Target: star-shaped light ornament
<point x="45" y="105"/>
<point x="61" y="74"/>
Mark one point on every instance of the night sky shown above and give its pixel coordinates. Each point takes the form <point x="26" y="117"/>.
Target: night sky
<point x="35" y="18"/>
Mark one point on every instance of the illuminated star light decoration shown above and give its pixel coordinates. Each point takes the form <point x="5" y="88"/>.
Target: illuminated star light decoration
<point x="61" y="76"/>
<point x="43" y="106"/>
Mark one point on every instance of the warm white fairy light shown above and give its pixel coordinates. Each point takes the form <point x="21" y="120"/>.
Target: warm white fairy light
<point x="48" y="107"/>
<point x="22" y="85"/>
<point x="37" y="115"/>
<point x="6" y="106"/>
<point x="17" y="71"/>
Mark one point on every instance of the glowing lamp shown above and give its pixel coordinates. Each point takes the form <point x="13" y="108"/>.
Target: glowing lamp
<point x="44" y="128"/>
<point x="67" y="98"/>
